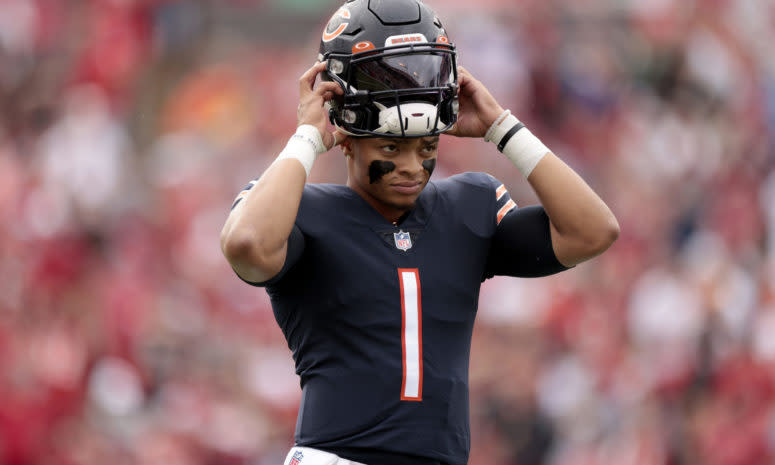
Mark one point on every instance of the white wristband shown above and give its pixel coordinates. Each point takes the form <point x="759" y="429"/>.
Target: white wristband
<point x="488" y="137"/>
<point x="305" y="145"/>
<point x="518" y="144"/>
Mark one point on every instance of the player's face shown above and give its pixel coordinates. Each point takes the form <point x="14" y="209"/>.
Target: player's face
<point x="390" y="173"/>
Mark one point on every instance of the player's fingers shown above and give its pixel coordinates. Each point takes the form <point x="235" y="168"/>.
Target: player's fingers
<point x="462" y="74"/>
<point x="464" y="78"/>
<point x="307" y="80"/>
<point x="324" y="92"/>
<point x="328" y="88"/>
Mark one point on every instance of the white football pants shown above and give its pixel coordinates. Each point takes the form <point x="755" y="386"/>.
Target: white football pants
<point x="310" y="456"/>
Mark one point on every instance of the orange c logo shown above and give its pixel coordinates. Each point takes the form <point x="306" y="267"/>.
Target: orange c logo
<point x="340" y="13"/>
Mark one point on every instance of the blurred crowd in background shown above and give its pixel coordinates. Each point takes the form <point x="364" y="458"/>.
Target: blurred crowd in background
<point x="128" y="126"/>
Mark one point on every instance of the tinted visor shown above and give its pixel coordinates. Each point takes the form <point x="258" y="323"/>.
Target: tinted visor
<point x="408" y="71"/>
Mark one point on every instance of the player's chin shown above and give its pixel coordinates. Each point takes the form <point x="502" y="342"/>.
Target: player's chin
<point x="404" y="204"/>
<point x="404" y="196"/>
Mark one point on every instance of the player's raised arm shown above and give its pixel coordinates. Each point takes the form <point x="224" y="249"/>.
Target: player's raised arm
<point x="581" y="224"/>
<point x="255" y="236"/>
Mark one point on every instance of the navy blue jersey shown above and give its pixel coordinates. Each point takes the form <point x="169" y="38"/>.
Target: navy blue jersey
<point x="379" y="317"/>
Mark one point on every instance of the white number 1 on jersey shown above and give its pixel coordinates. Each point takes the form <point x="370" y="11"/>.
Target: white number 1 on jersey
<point x="411" y="333"/>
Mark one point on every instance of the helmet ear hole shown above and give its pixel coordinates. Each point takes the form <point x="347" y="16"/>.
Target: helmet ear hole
<point x="349" y="117"/>
<point x="336" y="66"/>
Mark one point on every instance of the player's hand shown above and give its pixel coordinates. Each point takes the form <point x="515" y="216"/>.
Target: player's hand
<point x="478" y="108"/>
<point x="311" y="104"/>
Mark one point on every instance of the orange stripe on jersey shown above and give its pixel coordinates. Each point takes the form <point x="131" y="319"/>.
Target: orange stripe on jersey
<point x="510" y="205"/>
<point x="500" y="192"/>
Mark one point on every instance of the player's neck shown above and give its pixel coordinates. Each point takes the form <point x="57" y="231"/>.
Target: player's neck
<point x="391" y="213"/>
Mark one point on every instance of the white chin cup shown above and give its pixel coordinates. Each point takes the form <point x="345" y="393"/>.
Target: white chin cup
<point x="418" y="119"/>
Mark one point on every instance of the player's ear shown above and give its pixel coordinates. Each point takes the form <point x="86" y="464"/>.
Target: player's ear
<point x="347" y="147"/>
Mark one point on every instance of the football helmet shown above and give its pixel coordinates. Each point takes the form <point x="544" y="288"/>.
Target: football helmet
<point x="396" y="66"/>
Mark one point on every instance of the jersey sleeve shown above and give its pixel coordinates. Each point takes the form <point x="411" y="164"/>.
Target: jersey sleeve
<point x="522" y="243"/>
<point x="243" y="193"/>
<point x="292" y="256"/>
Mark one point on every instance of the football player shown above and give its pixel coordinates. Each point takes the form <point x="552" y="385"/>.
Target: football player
<point x="375" y="283"/>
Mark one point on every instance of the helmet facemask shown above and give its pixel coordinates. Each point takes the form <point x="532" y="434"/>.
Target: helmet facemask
<point x="396" y="91"/>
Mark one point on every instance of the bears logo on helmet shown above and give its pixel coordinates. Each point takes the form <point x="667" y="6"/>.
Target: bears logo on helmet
<point x="396" y="66"/>
<point x="336" y="26"/>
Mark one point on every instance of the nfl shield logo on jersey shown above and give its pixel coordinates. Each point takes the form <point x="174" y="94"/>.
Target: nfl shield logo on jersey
<point x="296" y="459"/>
<point x="403" y="240"/>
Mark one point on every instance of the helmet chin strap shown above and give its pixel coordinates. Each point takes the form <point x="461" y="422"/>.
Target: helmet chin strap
<point x="419" y="119"/>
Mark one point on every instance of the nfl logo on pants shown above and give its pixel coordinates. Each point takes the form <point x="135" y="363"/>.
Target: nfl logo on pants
<point x="403" y="240"/>
<point x="296" y="459"/>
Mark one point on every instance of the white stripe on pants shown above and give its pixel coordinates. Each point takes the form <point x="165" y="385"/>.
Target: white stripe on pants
<point x="310" y="456"/>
